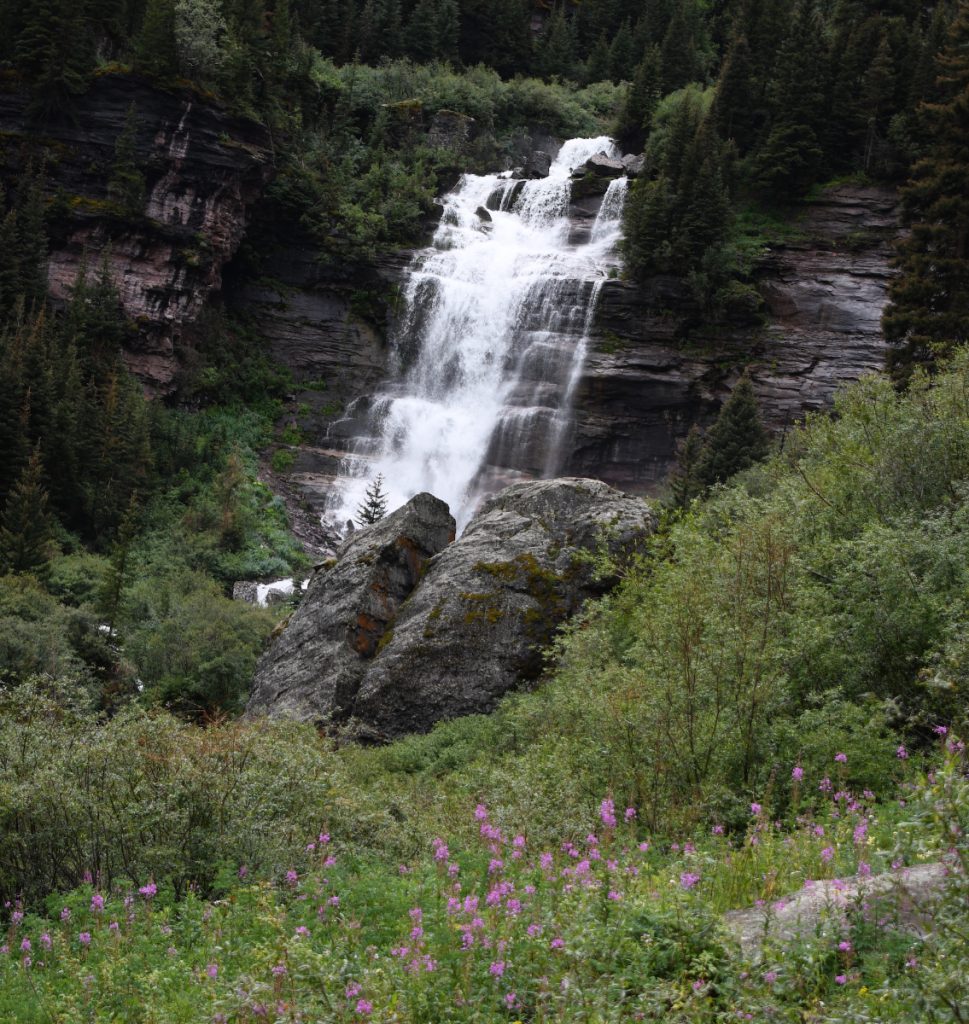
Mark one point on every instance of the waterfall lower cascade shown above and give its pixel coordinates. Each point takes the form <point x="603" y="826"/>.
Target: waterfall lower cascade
<point x="490" y="345"/>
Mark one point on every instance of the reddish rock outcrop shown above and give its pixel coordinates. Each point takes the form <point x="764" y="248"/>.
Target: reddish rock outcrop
<point x="203" y="167"/>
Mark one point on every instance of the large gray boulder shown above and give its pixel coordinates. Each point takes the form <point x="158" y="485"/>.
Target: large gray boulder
<point x="314" y="668"/>
<point x="406" y="629"/>
<point x="487" y="605"/>
<point x="601" y="166"/>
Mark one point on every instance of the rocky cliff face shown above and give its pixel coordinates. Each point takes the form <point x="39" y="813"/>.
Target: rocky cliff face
<point x="647" y="379"/>
<point x="405" y="629"/>
<point x="650" y="372"/>
<point x="203" y="168"/>
<point x="653" y="368"/>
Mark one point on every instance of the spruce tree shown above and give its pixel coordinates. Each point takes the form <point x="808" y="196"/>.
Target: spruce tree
<point x="736" y="103"/>
<point x="155" y="51"/>
<point x="928" y="315"/>
<point x="736" y="440"/>
<point x="9" y="264"/>
<point x="790" y="159"/>
<point x="678" y="51"/>
<point x="597" y="63"/>
<point x="374" y="506"/>
<point x="32" y="243"/>
<point x="684" y="481"/>
<point x="557" y="54"/>
<point x="622" y="54"/>
<point x="639" y="105"/>
<point x="26" y="529"/>
<point x="127" y="183"/>
<point x="53" y="53"/>
<point x="116" y="576"/>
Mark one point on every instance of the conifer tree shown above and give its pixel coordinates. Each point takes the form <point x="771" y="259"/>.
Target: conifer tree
<point x="53" y="53"/>
<point x="127" y="184"/>
<point x="26" y="529"/>
<point x="679" y="54"/>
<point x="155" y="51"/>
<point x="432" y="31"/>
<point x="112" y="587"/>
<point x="557" y="54"/>
<point x="622" y="54"/>
<point x="9" y="264"/>
<point x="736" y="103"/>
<point x="929" y="311"/>
<point x="597" y="63"/>
<point x="374" y="506"/>
<point x="736" y="440"/>
<point x="639" y="105"/>
<point x="684" y="481"/>
<point x="32" y="239"/>
<point x="791" y="158"/>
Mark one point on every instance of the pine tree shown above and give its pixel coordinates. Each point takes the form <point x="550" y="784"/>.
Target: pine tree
<point x="639" y="105"/>
<point x="374" y="506"/>
<point x="127" y="183"/>
<point x="26" y="530"/>
<point x="684" y="481"/>
<point x="679" y="53"/>
<point x="790" y="159"/>
<point x="32" y="239"/>
<point x="929" y="311"/>
<point x="53" y="53"/>
<point x="736" y="440"/>
<point x="155" y="51"/>
<point x="597" y="63"/>
<point x="557" y="54"/>
<point x="113" y="585"/>
<point x="9" y="264"/>
<point x="622" y="54"/>
<point x="736" y="103"/>
<point x="432" y="31"/>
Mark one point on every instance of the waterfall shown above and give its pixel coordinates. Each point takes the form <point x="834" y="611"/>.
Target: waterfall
<point x="489" y="348"/>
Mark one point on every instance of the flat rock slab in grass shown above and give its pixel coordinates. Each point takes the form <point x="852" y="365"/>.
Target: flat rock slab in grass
<point x="821" y="907"/>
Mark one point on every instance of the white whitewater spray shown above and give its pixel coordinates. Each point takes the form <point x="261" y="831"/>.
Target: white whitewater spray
<point x="490" y="346"/>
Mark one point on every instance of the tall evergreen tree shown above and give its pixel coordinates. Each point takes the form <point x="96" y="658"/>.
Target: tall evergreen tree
<point x="597" y="63"/>
<point x="155" y="51"/>
<point x="557" y="52"/>
<point x="432" y="31"/>
<point x="636" y="113"/>
<point x="127" y="183"/>
<point x="684" y="481"/>
<point x="54" y="54"/>
<point x="792" y="155"/>
<point x="679" y="51"/>
<point x="736" y="440"/>
<point x="26" y="530"/>
<point x="736" y="106"/>
<point x="929" y="310"/>
<point x="622" y="54"/>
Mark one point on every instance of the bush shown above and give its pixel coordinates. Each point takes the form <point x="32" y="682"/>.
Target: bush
<point x="142" y="795"/>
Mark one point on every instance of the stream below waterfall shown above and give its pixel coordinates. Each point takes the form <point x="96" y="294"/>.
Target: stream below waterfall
<point x="490" y="342"/>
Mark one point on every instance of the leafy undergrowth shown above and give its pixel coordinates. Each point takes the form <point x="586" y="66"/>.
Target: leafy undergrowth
<point x="606" y="927"/>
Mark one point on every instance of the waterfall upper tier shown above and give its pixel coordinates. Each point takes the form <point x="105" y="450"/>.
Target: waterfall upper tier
<point x="490" y="341"/>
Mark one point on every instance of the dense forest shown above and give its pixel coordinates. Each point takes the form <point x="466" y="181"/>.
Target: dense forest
<point x="799" y="614"/>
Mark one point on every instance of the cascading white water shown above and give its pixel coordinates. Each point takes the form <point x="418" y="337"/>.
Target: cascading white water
<point x="490" y="346"/>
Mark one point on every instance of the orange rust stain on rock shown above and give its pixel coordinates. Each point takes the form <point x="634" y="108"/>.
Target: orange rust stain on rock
<point x="366" y="634"/>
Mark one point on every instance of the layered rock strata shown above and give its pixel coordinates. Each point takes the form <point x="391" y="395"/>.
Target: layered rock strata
<point x="653" y="370"/>
<point x="203" y="170"/>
